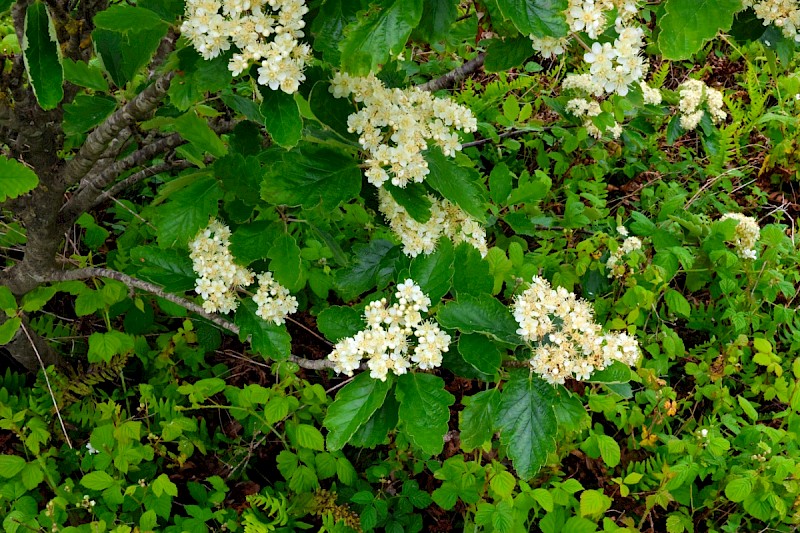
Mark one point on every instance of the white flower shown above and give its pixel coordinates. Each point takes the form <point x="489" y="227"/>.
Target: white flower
<point x="274" y="301"/>
<point x="694" y="94"/>
<point x="747" y="234"/>
<point x="91" y="449"/>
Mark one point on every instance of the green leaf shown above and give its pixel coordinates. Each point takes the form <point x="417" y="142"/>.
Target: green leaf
<point x="312" y="176"/>
<point x="594" y="502"/>
<point x="11" y="465"/>
<point x="503" y="55"/>
<point x="378" y="34"/>
<point x="677" y="303"/>
<point x="197" y="131"/>
<point x="329" y="26"/>
<point x="480" y="352"/>
<point x="97" y="480"/>
<point x="480" y="314"/>
<point x="89" y="301"/>
<point x="375" y="264"/>
<point x="31" y="476"/>
<point x="472" y="275"/>
<point x="376" y="430"/>
<point x="439" y="16"/>
<point x="541" y="18"/>
<point x="286" y="262"/>
<point x="267" y="338"/>
<point x="104" y="346"/>
<point x="172" y="269"/>
<point x="281" y="117"/>
<point x="15" y="179"/>
<point x="477" y="420"/>
<point x="338" y="322"/>
<point x="5" y="4"/>
<point x="748" y="408"/>
<point x="738" y="489"/>
<point x="128" y="20"/>
<point x="609" y="450"/>
<point x="163" y="485"/>
<point x="85" y="112"/>
<point x="42" y="55"/>
<point x="460" y="185"/>
<point x="687" y="24"/>
<point x="762" y="345"/>
<point x="309" y="437"/>
<point x="84" y="75"/>
<point x="168" y="10"/>
<point x="352" y="407"/>
<point x="434" y="272"/>
<point x="250" y="242"/>
<point x="188" y="212"/>
<point x="424" y="410"/>
<point x="527" y="421"/>
<point x="500" y="183"/>
<point x="8" y="329"/>
<point x="413" y="198"/>
<point x="240" y="175"/>
<point x="7" y="301"/>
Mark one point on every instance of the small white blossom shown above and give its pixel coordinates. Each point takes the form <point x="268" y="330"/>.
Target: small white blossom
<point x="694" y="95"/>
<point x="274" y="301"/>
<point x="747" y="234"/>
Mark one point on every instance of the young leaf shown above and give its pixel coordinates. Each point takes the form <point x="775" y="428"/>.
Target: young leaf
<point x="42" y="55"/>
<point x="353" y="406"/>
<point x="527" y="421"/>
<point x="15" y="179"/>
<point x="424" y="410"/>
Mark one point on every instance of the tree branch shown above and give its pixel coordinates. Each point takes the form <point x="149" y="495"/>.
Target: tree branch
<point x="136" y="177"/>
<point x="455" y="75"/>
<point x="86" y="273"/>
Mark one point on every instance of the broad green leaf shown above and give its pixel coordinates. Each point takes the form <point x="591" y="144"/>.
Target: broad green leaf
<point x="477" y="420"/>
<point x="379" y="33"/>
<point x="97" y="480"/>
<point x="42" y="55"/>
<point x="329" y="26"/>
<point x="337" y="322"/>
<point x="434" y="272"/>
<point x="286" y="262"/>
<point x="250" y="242"/>
<point x="15" y="179"/>
<point x="309" y="437"/>
<point x="748" y="408"/>
<point x="197" y="131"/>
<point x="375" y="264"/>
<point x="240" y="175"/>
<point x="104" y="346"/>
<point x="594" y="502"/>
<point x="168" y="10"/>
<point x="609" y="450"/>
<point x="85" y="112"/>
<point x="11" y="465"/>
<point x="472" y="275"/>
<point x="170" y="268"/>
<point x="89" y="301"/>
<point x="677" y="303"/>
<point x="197" y="77"/>
<point x="188" y="212"/>
<point x="163" y="485"/>
<point x="460" y="185"/>
<point x="82" y="74"/>
<point x="31" y="476"/>
<point x="479" y="351"/>
<point x="376" y="430"/>
<point x="5" y="4"/>
<point x="8" y="329"/>
<point x="270" y="340"/>
<point x="500" y="183"/>
<point x="281" y="117"/>
<point x="352" y="407"/>
<point x="424" y="410"/>
<point x="527" y="421"/>
<point x="480" y="314"/>
<point x="330" y="111"/>
<point x="439" y="15"/>
<point x="541" y="18"/>
<point x="739" y="488"/>
<point x="7" y="301"/>
<point x="126" y="19"/>
<point x="616" y="372"/>
<point x="413" y="198"/>
<point x="512" y="52"/>
<point x="687" y="24"/>
<point x="312" y="176"/>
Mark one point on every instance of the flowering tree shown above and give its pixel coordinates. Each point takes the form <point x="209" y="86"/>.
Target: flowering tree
<point x="162" y="157"/>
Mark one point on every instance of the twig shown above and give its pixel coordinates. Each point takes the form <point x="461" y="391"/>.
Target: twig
<point x="47" y="380"/>
<point x="91" y="272"/>
<point x="455" y="75"/>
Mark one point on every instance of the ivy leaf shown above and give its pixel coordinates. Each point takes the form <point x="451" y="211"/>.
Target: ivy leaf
<point x="352" y="407"/>
<point x="424" y="410"/>
<point x="42" y="56"/>
<point x="687" y="24"/>
<point x="15" y="179"/>
<point x="337" y="322"/>
<point x="480" y="314"/>
<point x="378" y="34"/>
<point x="434" y="272"/>
<point x="267" y="338"/>
<point x="477" y="420"/>
<point x="542" y="18"/>
<point x="312" y="176"/>
<point x="527" y="421"/>
<point x="460" y="185"/>
<point x="329" y="26"/>
<point x="281" y="117"/>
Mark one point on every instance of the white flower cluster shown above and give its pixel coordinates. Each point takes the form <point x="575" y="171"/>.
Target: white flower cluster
<point x="446" y="219"/>
<point x="386" y="342"/>
<point x="274" y="301"/>
<point x="747" y="234"/>
<point x="569" y="344"/>
<point x="695" y="93"/>
<point x="630" y="244"/>
<point x="650" y="95"/>
<point x="264" y="31"/>
<point x="581" y="107"/>
<point x="395" y="125"/>
<point x="784" y="14"/>
<point x="220" y="277"/>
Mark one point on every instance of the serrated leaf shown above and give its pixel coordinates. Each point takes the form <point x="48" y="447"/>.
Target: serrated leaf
<point x="512" y="52"/>
<point x="8" y="329"/>
<point x="609" y="450"/>
<point x="251" y="242"/>
<point x="82" y="74"/>
<point x="270" y="340"/>
<point x="460" y="185"/>
<point x="424" y="410"/>
<point x="97" y="480"/>
<point x="309" y="437"/>
<point x="748" y="408"/>
<point x="7" y="301"/>
<point x="687" y="24"/>
<point x="15" y="179"/>
<point x="413" y="198"/>
<point x="352" y="407"/>
<point x="439" y="15"/>
<point x="240" y="175"/>
<point x="197" y="131"/>
<point x="329" y="26"/>
<point x="169" y="268"/>
<point x="375" y="263"/>
<point x="480" y="314"/>
<point x="434" y="272"/>
<point x="541" y="18"/>
<point x="312" y="176"/>
<point x="337" y="322"/>
<point x="677" y="303"/>
<point x="188" y="212"/>
<point x="472" y="275"/>
<point x="42" y="55"/>
<point x="281" y="117"/>
<point x="527" y="421"/>
<point x="477" y="420"/>
<point x="594" y="502"/>
<point x="286" y="262"/>
<point x="376" y="430"/>
<point x="479" y="351"/>
<point x="738" y="489"/>
<point x="104" y="346"/>
<point x="11" y="465"/>
<point x="378" y="34"/>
